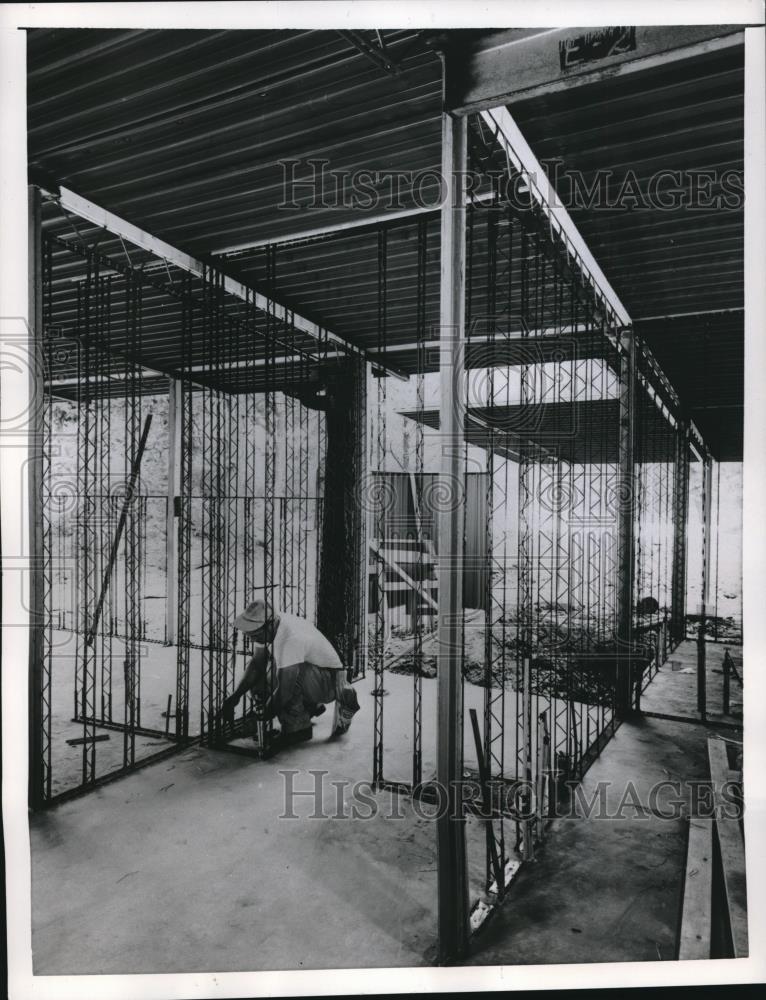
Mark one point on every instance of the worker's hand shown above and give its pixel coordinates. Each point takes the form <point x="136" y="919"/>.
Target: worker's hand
<point x="227" y="709"/>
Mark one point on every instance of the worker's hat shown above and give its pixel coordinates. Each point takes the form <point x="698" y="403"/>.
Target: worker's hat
<point x="254" y="616"/>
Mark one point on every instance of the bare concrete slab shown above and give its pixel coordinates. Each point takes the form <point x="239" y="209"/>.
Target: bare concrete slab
<point x="610" y="889"/>
<point x="193" y="865"/>
<point x="673" y="690"/>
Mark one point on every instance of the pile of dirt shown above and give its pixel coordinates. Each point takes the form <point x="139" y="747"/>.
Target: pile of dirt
<point x="569" y="666"/>
<point x="400" y="652"/>
<point x="723" y="629"/>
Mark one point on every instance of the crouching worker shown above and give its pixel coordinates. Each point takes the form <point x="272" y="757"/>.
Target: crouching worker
<point x="309" y="674"/>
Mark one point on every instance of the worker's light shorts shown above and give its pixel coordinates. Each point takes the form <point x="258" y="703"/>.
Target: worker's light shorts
<point x="301" y="689"/>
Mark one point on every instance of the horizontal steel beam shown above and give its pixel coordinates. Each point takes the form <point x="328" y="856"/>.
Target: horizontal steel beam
<point x="520" y="158"/>
<point x="88" y="210"/>
<point x="500" y="350"/>
<point x="363" y="220"/>
<point x="505" y="67"/>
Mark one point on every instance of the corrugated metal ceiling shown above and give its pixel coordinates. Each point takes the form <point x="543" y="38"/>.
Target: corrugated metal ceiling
<point x="181" y="133"/>
<point x="689" y="117"/>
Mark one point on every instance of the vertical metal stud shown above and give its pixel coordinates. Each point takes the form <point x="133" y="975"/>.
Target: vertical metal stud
<point x="451" y="856"/>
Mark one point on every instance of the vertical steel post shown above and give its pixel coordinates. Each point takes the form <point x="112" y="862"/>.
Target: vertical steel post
<point x="627" y="409"/>
<point x="35" y="484"/>
<point x="527" y="824"/>
<point x="707" y="498"/>
<point x="707" y="486"/>
<point x="681" y="502"/>
<point x="175" y="404"/>
<point x="451" y="860"/>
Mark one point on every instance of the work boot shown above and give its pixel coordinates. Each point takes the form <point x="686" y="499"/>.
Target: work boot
<point x="300" y="736"/>
<point x="346" y="708"/>
<point x="280" y="740"/>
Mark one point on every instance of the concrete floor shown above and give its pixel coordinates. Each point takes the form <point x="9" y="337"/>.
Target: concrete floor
<point x="158" y="669"/>
<point x="673" y="690"/>
<point x="187" y="865"/>
<point x="608" y="890"/>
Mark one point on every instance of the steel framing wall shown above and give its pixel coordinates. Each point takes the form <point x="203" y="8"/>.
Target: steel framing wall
<point x="244" y="501"/>
<point x="569" y="622"/>
<point x="585" y="507"/>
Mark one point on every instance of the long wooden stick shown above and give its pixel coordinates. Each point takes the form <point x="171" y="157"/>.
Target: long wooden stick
<point x="118" y="533"/>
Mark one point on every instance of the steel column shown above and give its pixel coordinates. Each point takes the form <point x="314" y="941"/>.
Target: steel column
<point x="707" y="486"/>
<point x="625" y="551"/>
<point x="451" y="857"/>
<point x="681" y="498"/>
<point x="35" y="469"/>
<point x="175" y="403"/>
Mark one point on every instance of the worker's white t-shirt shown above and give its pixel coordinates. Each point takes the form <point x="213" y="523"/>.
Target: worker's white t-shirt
<point x="298" y="641"/>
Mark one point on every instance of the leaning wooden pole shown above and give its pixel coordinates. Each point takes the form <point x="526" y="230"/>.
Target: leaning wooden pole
<point x="126" y="503"/>
<point x="451" y="859"/>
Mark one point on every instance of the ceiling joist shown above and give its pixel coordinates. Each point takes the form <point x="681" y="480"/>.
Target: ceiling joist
<point x="72" y="202"/>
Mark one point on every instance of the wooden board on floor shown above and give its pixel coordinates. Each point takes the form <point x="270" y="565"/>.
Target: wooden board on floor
<point x="696" y="917"/>
<point x="732" y="847"/>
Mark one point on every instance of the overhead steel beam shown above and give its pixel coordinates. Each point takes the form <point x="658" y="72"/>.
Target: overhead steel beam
<point x="520" y="158"/>
<point x="702" y="314"/>
<point x="361" y="221"/>
<point x="85" y="209"/>
<point x="505" y="67"/>
<point x="302" y="235"/>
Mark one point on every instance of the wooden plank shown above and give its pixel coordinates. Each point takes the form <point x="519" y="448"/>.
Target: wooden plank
<point x="732" y="847"/>
<point x="452" y="875"/>
<point x="392" y="565"/>
<point x="80" y="740"/>
<point x="507" y="67"/>
<point x="698" y="891"/>
<point x="407" y="555"/>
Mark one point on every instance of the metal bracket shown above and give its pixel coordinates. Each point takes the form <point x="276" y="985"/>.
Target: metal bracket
<point x="377" y="54"/>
